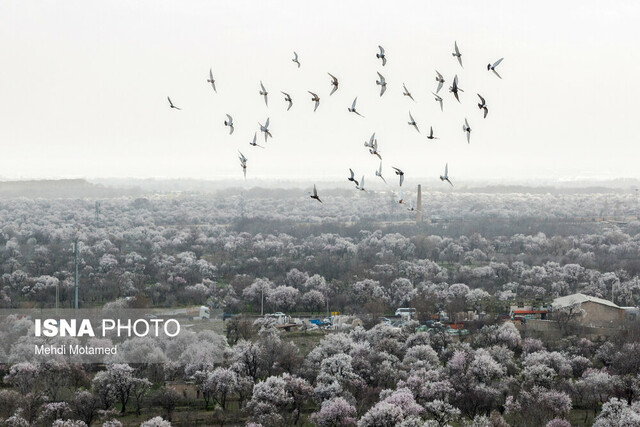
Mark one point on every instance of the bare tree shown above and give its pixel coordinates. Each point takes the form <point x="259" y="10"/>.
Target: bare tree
<point x="568" y="316"/>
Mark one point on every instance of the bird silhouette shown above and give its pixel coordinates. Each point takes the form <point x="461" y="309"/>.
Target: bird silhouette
<point x="457" y="54"/>
<point x="445" y="177"/>
<point x="440" y="81"/>
<point x="483" y="106"/>
<point x="493" y="67"/>
<point x="212" y="81"/>
<point x="430" y="136"/>
<point x="314" y="195"/>
<point x="264" y="93"/>
<point x="382" y="83"/>
<point x="406" y="92"/>
<point x="288" y="99"/>
<point x="400" y="174"/>
<point x="351" y="178"/>
<point x="334" y="83"/>
<point x="466" y="128"/>
<point x="171" y="104"/>
<point x="316" y="99"/>
<point x="353" y="108"/>
<point x="382" y="56"/>
<point x="229" y="122"/>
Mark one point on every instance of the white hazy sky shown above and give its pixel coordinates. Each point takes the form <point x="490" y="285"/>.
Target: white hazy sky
<point x="83" y="88"/>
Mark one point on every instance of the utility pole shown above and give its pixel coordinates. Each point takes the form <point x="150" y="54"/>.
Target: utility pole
<point x="97" y="212"/>
<point x="326" y="300"/>
<point x="419" y="207"/>
<point x="75" y="264"/>
<point x="242" y="205"/>
<point x="262" y="301"/>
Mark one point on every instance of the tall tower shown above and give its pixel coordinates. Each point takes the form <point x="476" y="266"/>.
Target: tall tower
<point x="419" y="205"/>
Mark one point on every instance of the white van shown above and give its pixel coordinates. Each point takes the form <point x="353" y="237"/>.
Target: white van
<point x="405" y="312"/>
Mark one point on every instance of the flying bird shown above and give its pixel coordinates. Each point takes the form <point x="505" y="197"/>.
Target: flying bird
<point x="445" y="177"/>
<point x="353" y="108"/>
<point x="438" y="98"/>
<point x="288" y="99"/>
<point x="457" y="54"/>
<point x="493" y="67"/>
<point x="229" y="123"/>
<point x="407" y="93"/>
<point x="466" y="128"/>
<point x="371" y="140"/>
<point x="430" y="136"/>
<point x="381" y="55"/>
<point x="171" y="104"/>
<point x="454" y="88"/>
<point x="212" y="81"/>
<point x="254" y="144"/>
<point x="361" y="185"/>
<point x="243" y="163"/>
<point x="374" y="149"/>
<point x="483" y="106"/>
<point x="400" y="174"/>
<point x="264" y="93"/>
<point x="351" y="178"/>
<point x="382" y="83"/>
<point x="334" y="83"/>
<point x="314" y="195"/>
<point x="379" y="173"/>
<point x="295" y="58"/>
<point x="265" y="129"/>
<point x="316" y="99"/>
<point x="440" y="81"/>
<point x="413" y="122"/>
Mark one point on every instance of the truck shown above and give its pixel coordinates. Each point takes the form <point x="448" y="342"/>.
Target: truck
<point x="199" y="312"/>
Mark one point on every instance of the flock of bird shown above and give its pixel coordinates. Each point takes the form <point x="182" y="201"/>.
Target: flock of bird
<point x="372" y="143"/>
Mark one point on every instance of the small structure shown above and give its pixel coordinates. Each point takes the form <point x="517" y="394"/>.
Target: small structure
<point x="528" y="312"/>
<point x="465" y="316"/>
<point x="595" y="312"/>
<point x="287" y="326"/>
